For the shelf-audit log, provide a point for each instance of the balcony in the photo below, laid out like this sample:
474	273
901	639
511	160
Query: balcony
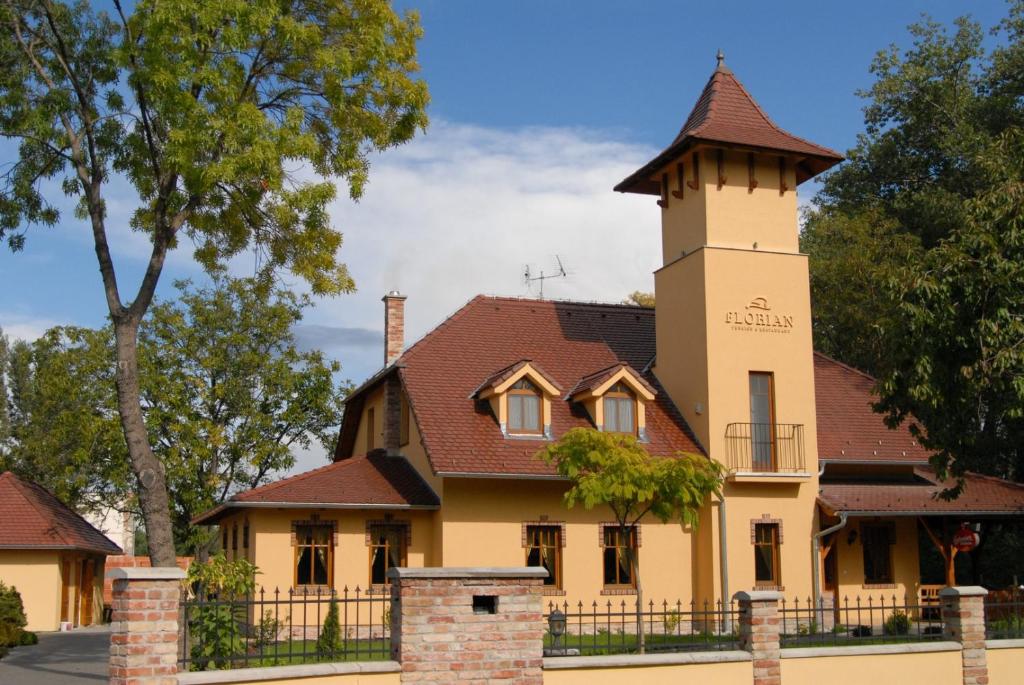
765	452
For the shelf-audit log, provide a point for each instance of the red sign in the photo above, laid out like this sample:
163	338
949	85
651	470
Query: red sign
965	539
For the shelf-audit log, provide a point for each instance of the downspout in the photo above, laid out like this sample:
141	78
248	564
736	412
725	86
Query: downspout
816	559
723	562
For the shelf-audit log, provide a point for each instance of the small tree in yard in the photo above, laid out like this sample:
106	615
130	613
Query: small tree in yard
615	470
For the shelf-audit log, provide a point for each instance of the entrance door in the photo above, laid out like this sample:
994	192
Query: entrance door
87	592
65	590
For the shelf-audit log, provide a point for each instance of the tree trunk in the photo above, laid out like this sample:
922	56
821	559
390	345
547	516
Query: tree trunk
149	473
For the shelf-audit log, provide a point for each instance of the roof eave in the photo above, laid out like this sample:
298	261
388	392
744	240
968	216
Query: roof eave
221	510
110	551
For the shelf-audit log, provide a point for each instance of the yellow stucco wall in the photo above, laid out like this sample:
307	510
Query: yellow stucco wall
934	668
1005	666
738	672
374	400
36	574
905	562
482	523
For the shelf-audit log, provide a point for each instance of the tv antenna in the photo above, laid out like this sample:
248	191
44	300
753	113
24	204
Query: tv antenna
529	278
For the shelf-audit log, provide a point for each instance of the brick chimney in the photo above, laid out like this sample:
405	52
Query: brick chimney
394	326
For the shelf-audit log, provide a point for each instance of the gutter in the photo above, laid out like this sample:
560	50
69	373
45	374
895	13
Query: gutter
505	476
816	559
723	552
213	513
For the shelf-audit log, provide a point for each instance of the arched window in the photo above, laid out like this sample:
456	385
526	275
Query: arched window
619	409
524	408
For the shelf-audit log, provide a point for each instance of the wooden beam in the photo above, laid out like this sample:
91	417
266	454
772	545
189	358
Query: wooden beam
680	181
721	168
751	173
663	202
695	182
782	176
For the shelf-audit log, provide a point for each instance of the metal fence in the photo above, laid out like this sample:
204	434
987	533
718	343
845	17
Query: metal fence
1004	615
871	621
765	447
282	628
615	627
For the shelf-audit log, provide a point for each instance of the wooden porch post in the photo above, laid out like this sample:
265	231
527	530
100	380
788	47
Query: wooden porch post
946	549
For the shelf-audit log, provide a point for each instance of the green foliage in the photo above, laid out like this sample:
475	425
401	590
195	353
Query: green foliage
640	298
670	622
12	617
614	469
267	629
328	643
898	623
958	375
28	638
215	616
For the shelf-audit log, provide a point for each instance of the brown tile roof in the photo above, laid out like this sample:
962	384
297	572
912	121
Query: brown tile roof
982	495
34	519
567	339
848	429
726	113
367	481
598	378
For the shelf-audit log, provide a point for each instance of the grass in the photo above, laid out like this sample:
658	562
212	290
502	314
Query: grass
603	642
296	652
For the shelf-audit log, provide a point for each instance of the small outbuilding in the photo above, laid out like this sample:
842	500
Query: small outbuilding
53	556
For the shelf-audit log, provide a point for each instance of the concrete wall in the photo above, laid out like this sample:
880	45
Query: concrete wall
650	670
1005	664
933	668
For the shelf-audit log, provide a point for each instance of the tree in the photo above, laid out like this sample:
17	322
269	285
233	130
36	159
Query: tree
640	298
958	372
64	431
227	395
614	470
934	111
227	118
227	398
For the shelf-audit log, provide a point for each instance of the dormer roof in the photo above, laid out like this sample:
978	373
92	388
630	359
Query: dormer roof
501	379
727	115
596	383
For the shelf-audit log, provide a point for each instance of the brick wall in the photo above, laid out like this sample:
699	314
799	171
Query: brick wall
468	625
144	631
129	561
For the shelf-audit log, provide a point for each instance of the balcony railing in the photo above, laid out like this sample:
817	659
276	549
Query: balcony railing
765	448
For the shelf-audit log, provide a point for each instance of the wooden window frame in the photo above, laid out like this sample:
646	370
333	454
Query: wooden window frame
559	531
525	392
297	547
405	529
634	533
776	554
889	529
772	437
618	395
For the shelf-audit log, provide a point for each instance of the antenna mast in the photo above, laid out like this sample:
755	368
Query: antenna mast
529	278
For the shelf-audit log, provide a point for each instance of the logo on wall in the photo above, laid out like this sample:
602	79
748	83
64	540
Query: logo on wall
758	317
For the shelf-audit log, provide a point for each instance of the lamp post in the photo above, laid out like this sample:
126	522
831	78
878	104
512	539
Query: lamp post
556	626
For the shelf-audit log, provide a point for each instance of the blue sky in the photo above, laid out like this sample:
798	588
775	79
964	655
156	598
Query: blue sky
538	109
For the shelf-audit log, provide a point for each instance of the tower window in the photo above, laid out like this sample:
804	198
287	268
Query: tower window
762	420
766	554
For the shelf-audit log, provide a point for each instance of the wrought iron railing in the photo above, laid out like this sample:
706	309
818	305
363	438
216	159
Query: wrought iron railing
283	628
765	447
871	621
1004	614
614	627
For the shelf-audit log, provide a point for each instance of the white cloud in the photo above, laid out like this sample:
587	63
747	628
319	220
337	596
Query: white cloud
22	327
463	209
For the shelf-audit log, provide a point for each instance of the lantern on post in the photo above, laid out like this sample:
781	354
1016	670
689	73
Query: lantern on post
556	626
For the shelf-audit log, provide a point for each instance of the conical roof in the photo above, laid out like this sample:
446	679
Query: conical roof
726	114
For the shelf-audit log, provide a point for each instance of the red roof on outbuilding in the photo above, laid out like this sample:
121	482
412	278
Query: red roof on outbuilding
34	519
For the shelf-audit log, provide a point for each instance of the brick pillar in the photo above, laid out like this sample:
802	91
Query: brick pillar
451	625
394	326
759	633
393	415
963	621
144	630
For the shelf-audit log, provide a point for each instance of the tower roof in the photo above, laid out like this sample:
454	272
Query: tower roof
726	114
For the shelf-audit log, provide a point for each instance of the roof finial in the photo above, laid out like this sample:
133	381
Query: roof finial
720	57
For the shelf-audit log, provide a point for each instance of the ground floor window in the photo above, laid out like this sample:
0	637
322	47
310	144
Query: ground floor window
766	554
877	540
387	549
618	571
314	555
544	548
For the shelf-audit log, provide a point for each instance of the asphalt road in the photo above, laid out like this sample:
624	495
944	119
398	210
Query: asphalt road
78	657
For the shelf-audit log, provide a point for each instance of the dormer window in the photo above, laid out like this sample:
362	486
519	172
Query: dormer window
619	409
524	408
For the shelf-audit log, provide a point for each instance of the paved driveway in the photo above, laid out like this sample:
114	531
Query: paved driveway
74	658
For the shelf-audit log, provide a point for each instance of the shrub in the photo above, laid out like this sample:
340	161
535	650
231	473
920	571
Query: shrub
12	616
214	614
329	642
267	630
28	638
671	622
897	624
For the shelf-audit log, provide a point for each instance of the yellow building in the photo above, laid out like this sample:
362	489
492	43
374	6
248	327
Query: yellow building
435	464
51	555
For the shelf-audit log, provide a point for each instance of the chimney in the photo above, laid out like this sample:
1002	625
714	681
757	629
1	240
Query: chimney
394	326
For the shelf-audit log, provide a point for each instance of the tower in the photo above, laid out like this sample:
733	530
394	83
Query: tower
733	327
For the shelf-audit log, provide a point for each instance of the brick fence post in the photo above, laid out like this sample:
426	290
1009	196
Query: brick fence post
759	633
452	625
963	621
144	629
